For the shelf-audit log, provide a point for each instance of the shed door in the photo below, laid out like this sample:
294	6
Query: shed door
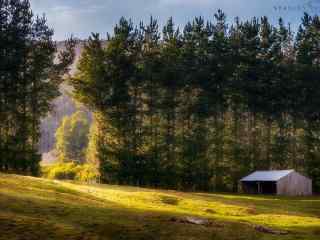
268	187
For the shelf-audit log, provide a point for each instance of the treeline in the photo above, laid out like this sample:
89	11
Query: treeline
200	108
30	75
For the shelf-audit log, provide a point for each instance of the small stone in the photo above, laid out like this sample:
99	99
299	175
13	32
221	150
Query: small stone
197	221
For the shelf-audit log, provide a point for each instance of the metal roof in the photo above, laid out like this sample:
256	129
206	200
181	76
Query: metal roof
267	176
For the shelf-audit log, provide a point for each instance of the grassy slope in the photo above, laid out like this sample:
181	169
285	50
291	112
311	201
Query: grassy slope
41	209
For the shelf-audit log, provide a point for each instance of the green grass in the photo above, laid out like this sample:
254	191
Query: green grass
36	209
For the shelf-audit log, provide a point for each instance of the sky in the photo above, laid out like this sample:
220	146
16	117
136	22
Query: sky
82	17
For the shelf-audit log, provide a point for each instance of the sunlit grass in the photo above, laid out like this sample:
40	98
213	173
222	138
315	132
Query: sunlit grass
65	210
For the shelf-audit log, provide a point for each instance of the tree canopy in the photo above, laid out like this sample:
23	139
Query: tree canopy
30	75
200	107
72	138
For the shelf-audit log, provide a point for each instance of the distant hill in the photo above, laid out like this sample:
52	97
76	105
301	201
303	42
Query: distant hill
63	106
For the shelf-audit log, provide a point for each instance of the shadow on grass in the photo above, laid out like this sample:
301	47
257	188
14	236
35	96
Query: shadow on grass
303	232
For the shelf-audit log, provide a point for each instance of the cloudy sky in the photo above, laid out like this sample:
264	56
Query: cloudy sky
81	17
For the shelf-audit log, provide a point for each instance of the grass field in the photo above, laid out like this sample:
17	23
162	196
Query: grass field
38	209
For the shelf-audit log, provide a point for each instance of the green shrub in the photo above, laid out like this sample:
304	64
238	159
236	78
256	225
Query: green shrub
88	173
71	171
65	171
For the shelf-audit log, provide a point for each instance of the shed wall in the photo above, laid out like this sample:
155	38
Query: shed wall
294	184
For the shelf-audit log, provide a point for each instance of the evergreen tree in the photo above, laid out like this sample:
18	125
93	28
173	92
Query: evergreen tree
170	82
30	79
201	108
307	75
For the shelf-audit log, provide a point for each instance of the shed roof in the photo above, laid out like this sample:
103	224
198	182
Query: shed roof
268	176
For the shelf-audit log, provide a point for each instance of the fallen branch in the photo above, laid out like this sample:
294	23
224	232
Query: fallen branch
264	229
195	221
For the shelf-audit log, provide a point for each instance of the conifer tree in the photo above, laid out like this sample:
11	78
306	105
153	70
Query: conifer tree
201	108
30	79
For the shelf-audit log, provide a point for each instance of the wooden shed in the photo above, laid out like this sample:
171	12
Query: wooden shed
284	182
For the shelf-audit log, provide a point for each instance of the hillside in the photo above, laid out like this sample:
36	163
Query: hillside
62	106
41	209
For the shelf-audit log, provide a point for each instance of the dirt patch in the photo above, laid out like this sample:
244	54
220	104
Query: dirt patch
251	211
210	211
170	200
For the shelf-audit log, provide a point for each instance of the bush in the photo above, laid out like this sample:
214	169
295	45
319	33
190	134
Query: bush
72	171
88	173
65	171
